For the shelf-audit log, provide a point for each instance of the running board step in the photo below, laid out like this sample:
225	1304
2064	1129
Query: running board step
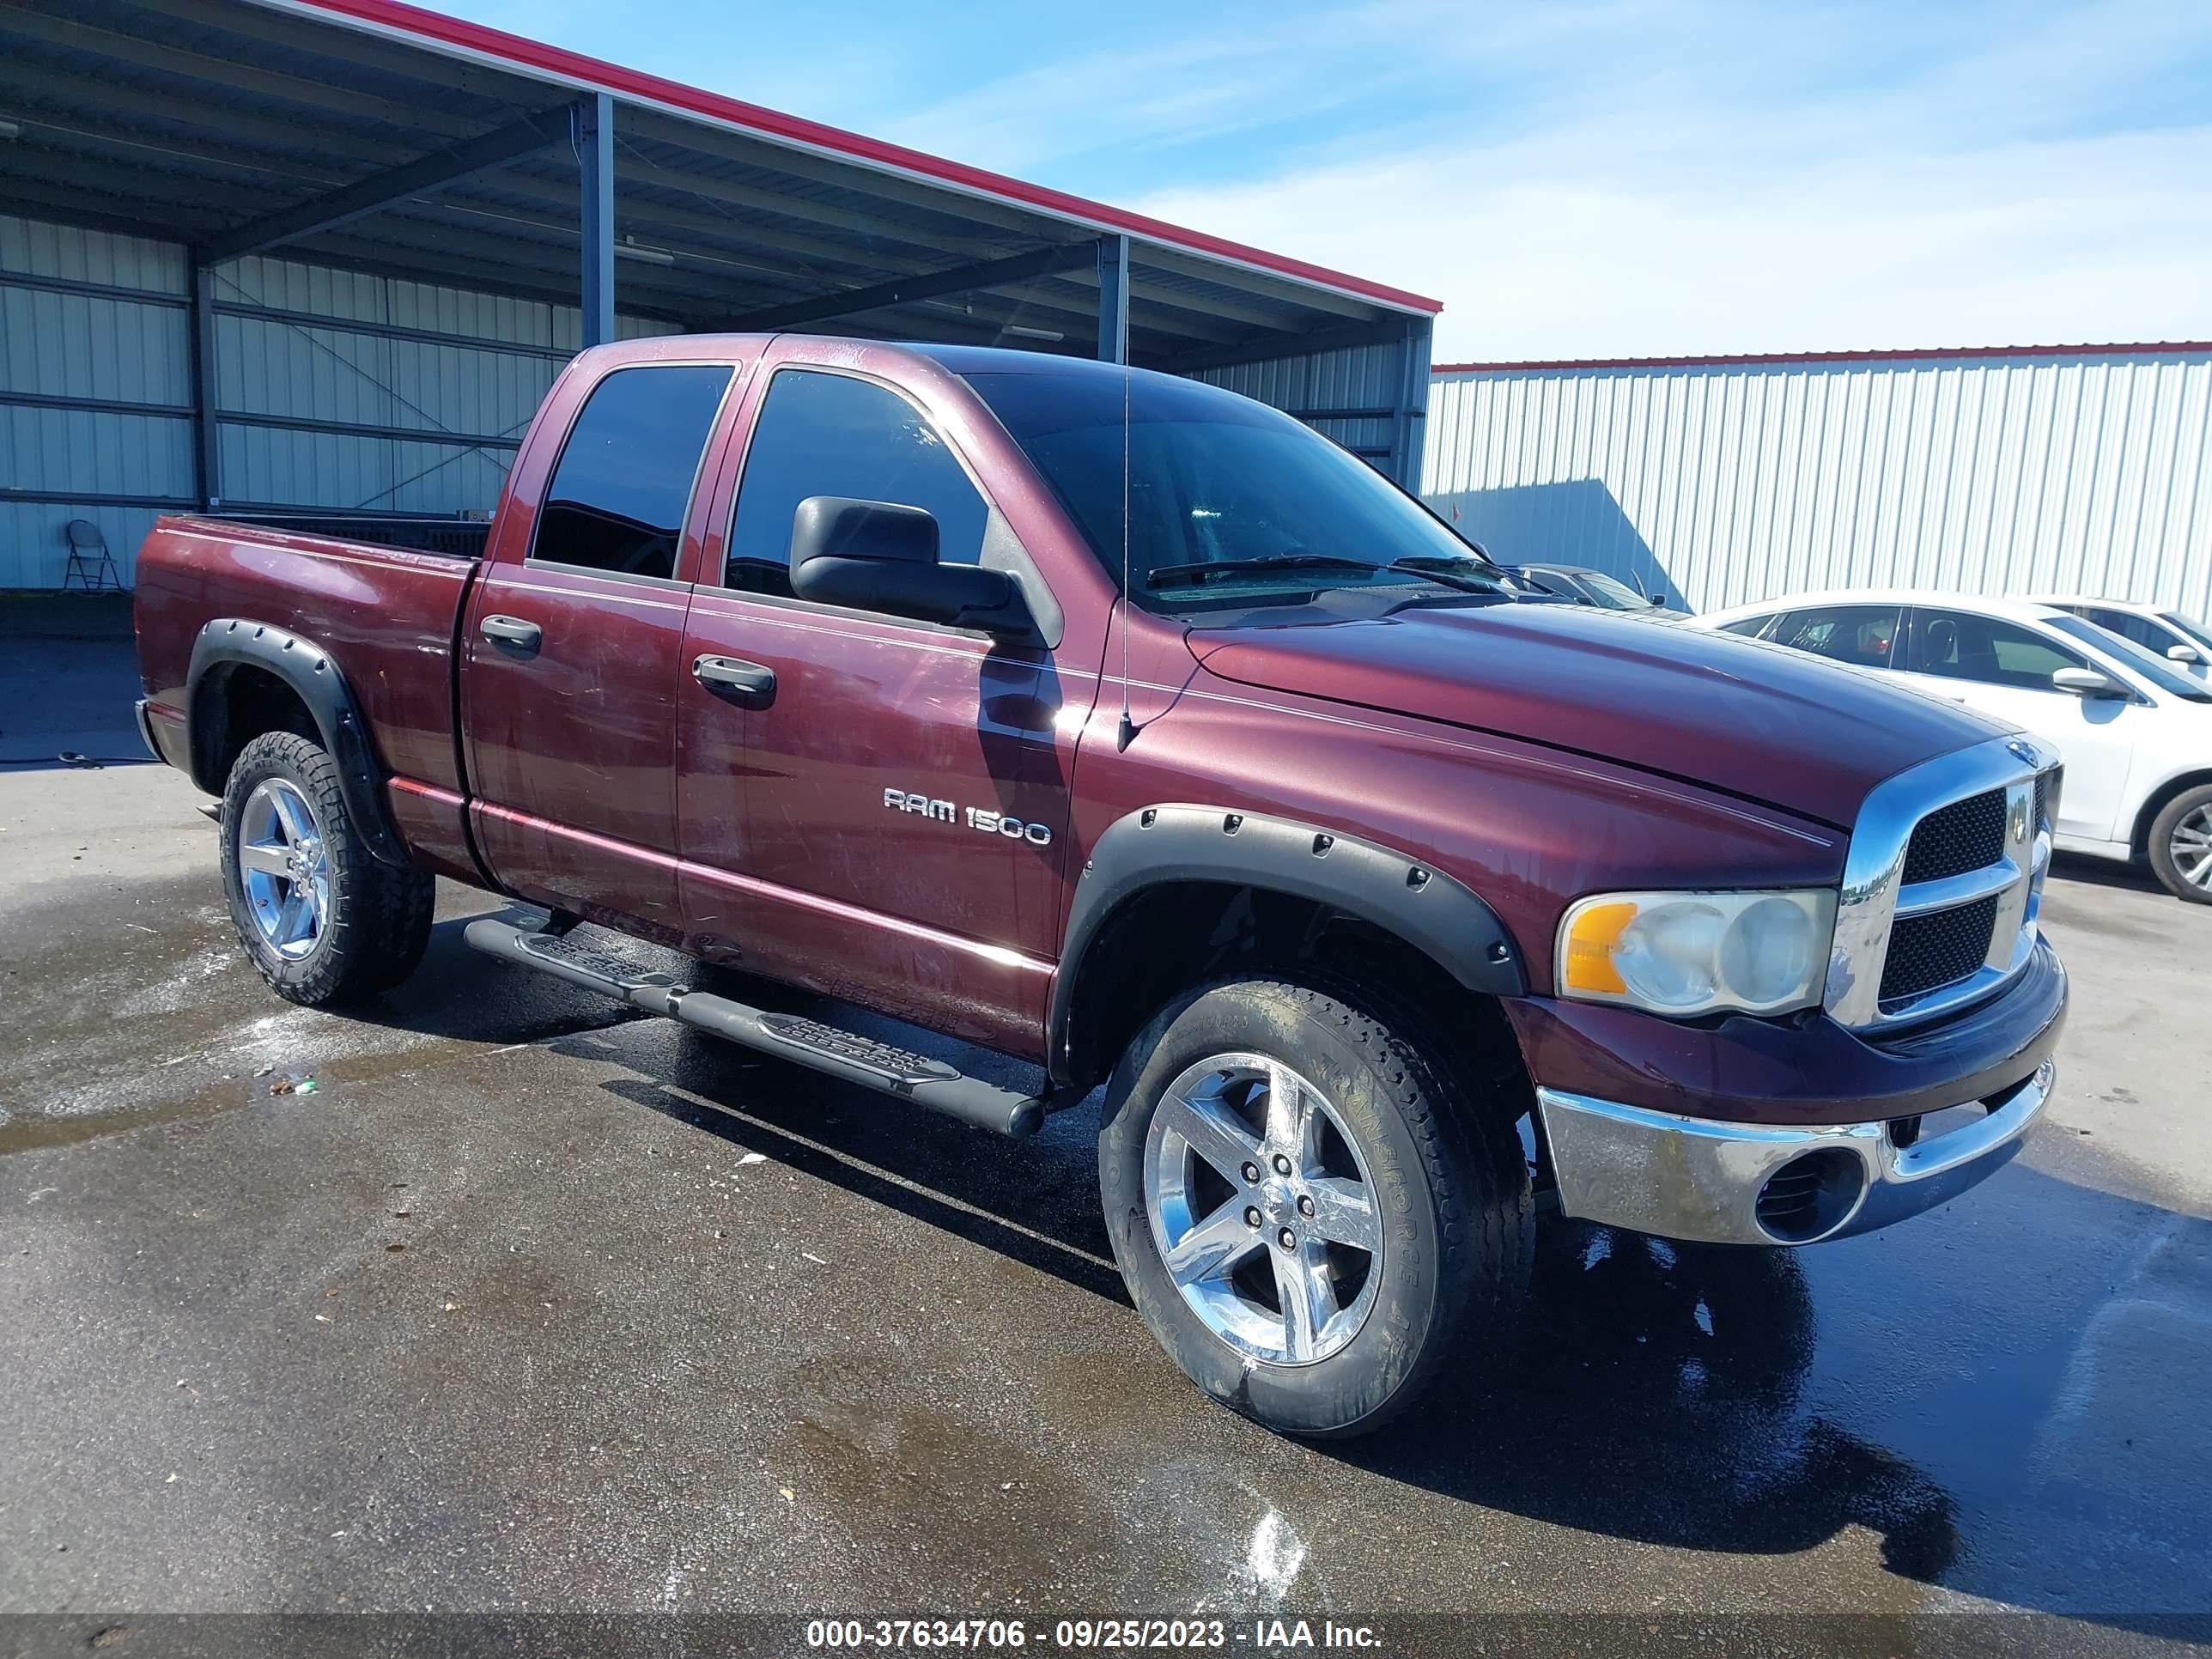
825	1049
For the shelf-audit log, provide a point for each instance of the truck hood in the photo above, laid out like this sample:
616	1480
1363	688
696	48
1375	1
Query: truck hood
1757	721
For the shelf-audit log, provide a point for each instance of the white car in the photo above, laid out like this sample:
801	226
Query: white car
2182	641
2134	730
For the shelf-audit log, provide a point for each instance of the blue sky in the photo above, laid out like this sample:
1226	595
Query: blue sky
1618	177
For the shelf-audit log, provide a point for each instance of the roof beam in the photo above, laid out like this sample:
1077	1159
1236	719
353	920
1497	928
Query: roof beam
365	196
72	101
321	98
1390	331
905	290
325	38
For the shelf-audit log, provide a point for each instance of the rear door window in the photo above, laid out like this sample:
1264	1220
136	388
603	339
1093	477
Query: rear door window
1863	636
1749	627
831	435
1959	645
620	493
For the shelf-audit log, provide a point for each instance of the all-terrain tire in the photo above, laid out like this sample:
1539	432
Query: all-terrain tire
2191	807
1445	1164
377	921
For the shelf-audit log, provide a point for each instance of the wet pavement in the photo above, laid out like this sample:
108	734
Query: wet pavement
531	1305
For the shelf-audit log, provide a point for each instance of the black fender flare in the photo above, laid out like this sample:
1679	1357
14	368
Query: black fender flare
1433	912
228	643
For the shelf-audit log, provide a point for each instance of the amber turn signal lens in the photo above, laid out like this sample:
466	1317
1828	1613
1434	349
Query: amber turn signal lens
1591	936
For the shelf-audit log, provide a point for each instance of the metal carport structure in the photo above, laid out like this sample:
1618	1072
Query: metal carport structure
373	138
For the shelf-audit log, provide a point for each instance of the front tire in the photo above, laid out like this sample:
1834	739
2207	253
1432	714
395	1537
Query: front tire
322	917
2181	845
1395	1222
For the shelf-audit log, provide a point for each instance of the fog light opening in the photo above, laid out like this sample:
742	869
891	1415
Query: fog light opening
1810	1196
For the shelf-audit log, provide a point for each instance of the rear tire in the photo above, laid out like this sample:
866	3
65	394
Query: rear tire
322	919
2181	845
1417	1248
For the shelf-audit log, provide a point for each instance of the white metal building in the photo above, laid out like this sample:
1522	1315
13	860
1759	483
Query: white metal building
319	258
1727	479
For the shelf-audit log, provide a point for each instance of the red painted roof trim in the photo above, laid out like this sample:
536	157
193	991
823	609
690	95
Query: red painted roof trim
436	28
2164	347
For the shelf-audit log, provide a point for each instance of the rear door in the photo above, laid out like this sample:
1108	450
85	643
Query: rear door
2004	669
1857	636
574	648
879	810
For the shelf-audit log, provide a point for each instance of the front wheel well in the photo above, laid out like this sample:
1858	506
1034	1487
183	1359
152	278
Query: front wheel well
2158	801
1177	934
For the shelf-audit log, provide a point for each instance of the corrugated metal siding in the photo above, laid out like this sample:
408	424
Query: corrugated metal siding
1734	483
484	382
112	348
1370	379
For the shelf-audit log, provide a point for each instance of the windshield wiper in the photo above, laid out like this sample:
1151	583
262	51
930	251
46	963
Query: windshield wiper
1472	575
1185	575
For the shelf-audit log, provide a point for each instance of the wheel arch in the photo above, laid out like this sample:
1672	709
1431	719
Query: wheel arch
1207	879
249	678
2158	800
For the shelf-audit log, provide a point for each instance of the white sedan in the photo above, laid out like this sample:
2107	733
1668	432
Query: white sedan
2181	639
2135	729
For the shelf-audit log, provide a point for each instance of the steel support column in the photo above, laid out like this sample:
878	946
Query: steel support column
595	153
1413	415
206	446
1114	299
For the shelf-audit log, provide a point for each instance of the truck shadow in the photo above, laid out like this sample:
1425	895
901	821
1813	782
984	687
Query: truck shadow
1658	1397
2006	1396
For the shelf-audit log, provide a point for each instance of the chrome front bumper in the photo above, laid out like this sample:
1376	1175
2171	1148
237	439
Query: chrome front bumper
1700	1179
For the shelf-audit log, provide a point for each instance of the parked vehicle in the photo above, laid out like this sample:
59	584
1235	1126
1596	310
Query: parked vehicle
1580	585
1343	872
2133	730
2182	641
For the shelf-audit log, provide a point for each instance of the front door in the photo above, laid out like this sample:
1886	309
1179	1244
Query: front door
874	807
2003	670
572	656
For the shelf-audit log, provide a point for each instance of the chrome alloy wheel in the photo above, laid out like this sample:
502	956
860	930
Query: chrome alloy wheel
284	869
1262	1209
2190	846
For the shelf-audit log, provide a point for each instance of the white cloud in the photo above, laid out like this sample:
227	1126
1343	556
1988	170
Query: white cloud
1965	204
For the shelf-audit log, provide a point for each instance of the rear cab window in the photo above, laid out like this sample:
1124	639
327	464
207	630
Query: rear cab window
619	495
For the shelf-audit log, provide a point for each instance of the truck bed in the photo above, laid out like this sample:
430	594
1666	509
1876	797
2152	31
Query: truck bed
387	617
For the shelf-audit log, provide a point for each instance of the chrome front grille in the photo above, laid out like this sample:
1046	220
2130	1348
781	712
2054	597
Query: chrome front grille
1942	884
1934	949
1967	835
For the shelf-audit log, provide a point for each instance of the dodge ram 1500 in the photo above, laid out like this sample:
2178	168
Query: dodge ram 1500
1120	724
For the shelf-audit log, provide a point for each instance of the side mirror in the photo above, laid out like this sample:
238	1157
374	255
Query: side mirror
2086	682
2184	654
877	556
1660	598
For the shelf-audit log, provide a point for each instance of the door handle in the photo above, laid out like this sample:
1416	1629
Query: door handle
523	637
746	683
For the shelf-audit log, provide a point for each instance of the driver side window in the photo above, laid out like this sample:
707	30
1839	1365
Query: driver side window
1959	645
820	434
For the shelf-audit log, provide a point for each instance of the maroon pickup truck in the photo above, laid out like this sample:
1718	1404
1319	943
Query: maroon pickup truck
1122	725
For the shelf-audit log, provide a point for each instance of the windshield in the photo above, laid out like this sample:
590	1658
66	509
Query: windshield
2158	672
1227	498
1614	595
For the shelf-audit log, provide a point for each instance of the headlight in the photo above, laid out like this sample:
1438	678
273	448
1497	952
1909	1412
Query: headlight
1693	953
